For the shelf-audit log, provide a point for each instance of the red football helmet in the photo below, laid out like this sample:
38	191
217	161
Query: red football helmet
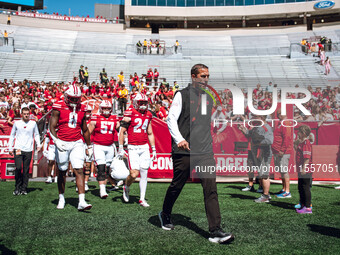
72	96
140	102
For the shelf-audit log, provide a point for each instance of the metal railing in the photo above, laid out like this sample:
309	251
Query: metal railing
43	125
163	50
7	41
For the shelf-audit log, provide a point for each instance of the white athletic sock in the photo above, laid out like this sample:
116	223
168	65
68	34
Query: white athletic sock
143	183
85	182
82	198
102	187
61	197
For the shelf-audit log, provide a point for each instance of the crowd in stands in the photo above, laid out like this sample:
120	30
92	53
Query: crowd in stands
39	96
316	44
146	47
324	104
321	45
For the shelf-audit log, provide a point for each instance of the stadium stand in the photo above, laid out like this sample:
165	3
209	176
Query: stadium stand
55	55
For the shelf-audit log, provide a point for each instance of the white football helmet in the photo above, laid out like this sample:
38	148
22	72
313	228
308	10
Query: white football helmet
105	107
88	111
72	96
119	170
140	102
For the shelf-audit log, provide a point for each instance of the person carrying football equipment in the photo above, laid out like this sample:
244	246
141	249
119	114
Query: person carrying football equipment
102	128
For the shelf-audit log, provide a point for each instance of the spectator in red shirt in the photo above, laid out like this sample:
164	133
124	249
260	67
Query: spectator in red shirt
282	147
160	111
149	77
155	77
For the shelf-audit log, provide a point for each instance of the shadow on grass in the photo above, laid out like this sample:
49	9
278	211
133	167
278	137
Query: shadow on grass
5	250
323	230
33	189
324	186
240	196
95	192
181	220
132	199
283	205
233	187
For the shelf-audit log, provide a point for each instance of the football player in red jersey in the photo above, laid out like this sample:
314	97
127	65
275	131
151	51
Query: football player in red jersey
137	123
102	128
68	117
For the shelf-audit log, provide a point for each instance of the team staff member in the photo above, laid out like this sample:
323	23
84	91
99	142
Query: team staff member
86	76
123	94
23	131
192	146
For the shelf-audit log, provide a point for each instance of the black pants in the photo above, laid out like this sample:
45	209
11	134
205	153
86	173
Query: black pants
183	165
122	104
304	185
22	167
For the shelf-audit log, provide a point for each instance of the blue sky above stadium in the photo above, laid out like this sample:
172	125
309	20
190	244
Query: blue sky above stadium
78	7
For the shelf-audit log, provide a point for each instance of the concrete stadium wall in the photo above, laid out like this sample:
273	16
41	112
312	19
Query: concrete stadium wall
64	25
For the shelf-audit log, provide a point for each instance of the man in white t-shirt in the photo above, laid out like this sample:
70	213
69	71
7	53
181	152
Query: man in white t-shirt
23	132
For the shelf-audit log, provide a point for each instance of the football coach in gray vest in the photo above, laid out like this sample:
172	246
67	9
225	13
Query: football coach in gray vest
189	123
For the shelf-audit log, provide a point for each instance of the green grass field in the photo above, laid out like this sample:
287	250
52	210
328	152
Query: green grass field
32	225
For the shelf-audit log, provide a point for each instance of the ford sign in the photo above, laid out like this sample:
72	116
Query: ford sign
324	5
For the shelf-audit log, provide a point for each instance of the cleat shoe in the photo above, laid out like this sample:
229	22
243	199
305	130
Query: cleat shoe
23	192
48	180
259	190
249	188
103	194
219	236
86	187
337	187
61	204
143	203
284	195
263	199
113	188
16	193
126	191
120	183
304	210
84	206
166	222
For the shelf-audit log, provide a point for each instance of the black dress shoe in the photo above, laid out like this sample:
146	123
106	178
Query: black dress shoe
166	222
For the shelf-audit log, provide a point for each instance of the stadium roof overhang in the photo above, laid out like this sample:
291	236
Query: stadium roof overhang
226	13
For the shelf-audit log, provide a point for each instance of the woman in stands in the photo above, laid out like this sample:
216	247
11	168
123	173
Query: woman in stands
322	57
327	66
14	113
